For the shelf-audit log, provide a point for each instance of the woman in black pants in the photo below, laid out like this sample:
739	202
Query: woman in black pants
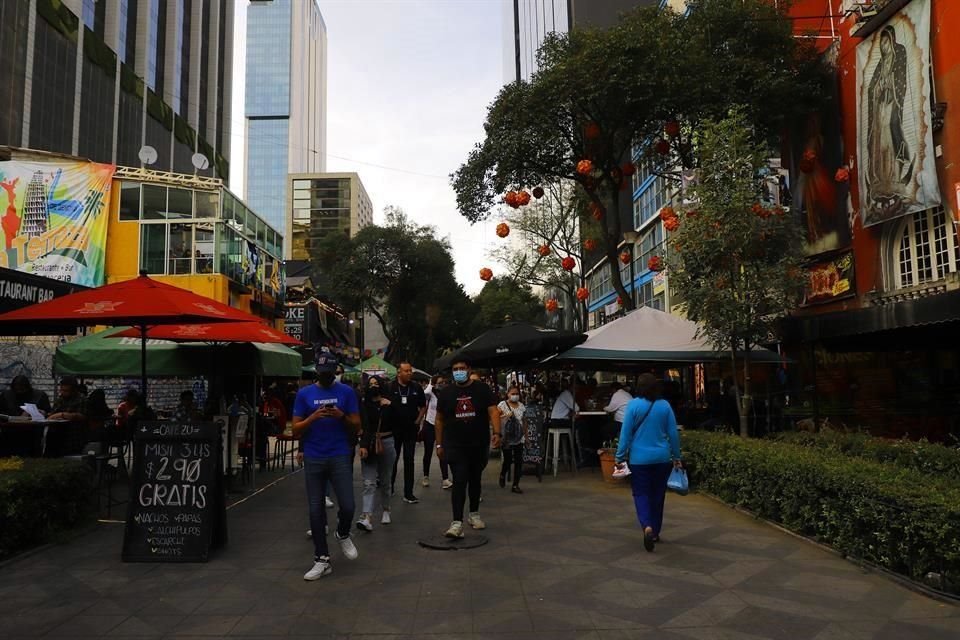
513	428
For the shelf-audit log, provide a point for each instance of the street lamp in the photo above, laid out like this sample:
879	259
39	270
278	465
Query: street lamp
631	238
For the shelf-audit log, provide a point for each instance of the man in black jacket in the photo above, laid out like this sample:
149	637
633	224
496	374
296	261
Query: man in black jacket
408	405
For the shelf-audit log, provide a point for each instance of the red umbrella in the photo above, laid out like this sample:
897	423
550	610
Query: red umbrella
142	302
220	332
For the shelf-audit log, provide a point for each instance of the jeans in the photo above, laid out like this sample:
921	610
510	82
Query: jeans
467	465
512	456
405	445
649	483
429	440
338	471
375	471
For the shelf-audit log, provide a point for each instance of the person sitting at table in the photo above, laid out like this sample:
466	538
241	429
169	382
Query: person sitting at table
131	412
586	393
100	417
616	407
21	392
70	406
186	410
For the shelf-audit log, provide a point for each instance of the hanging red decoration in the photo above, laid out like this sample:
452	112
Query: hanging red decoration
486	274
591	131
596	211
655	263
662	147
552	305
589	244
628	168
842	175
568	263
511	199
672	128
583	293
584	167
671	224
503	229
523	198
666	213
625	257
367	353
543	250
538	192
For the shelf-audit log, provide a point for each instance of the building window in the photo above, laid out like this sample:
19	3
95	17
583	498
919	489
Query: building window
207	203
180	203
203	251
181	249
926	248
154	202
129	201
153	247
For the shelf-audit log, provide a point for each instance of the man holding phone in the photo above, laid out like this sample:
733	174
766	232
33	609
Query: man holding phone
326	416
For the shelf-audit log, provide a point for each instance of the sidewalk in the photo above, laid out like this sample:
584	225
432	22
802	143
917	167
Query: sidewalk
564	562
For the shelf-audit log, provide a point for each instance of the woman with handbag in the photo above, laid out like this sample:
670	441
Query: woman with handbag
377	454
649	440
512	419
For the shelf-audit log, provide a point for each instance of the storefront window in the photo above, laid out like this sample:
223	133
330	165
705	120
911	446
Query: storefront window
153	247
206	204
181	249
130	201
203	248
154	202
180	204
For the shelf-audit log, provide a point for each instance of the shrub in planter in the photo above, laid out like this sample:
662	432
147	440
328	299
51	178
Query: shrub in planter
39	498
900	519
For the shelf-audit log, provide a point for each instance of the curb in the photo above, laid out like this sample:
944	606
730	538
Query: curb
903	581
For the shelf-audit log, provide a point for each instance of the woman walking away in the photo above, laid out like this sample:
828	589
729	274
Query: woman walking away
514	426
649	440
377	455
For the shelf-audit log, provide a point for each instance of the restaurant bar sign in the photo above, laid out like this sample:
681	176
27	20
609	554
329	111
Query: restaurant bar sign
829	280
18	289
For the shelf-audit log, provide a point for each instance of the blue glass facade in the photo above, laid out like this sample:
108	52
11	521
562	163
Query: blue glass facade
267	169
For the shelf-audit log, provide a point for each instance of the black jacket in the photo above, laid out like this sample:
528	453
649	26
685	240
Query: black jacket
373	414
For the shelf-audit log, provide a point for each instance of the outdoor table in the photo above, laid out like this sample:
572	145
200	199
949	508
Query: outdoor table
38	430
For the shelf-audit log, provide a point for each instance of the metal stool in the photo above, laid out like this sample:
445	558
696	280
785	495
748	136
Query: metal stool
556	435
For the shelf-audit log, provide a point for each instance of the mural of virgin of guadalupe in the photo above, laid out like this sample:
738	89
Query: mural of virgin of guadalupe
890	165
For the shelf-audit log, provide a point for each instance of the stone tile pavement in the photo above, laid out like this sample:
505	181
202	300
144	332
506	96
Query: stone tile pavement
564	562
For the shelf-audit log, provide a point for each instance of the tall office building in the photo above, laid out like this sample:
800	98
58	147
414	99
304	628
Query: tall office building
321	204
104	78
286	101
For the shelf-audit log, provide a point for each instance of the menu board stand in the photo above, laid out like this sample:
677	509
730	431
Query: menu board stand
177	508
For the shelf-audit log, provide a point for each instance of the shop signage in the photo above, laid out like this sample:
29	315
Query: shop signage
177	507
18	289
829	280
294	322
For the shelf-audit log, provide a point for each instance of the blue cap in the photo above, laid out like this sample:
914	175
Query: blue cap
325	362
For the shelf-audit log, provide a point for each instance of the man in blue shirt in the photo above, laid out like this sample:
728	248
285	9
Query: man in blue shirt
326	417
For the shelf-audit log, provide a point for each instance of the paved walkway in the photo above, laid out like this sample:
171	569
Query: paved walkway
564	562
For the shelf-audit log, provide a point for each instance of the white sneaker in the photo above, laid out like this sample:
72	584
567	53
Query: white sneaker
349	549
446	484
309	533
364	523
425	482
455	530
320	568
329	502
385	518
474	521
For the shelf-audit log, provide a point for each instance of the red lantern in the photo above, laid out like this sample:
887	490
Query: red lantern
543	250
655	263
552	305
662	147
591	131
486	274
625	257
671	224
584	167
666	213
583	293
538	192
628	168
672	128
523	198
589	244
842	175
503	229
511	199
596	211
568	263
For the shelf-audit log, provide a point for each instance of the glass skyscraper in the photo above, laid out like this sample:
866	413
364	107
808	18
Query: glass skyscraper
286	100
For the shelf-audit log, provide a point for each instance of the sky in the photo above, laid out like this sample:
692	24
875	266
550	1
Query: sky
408	86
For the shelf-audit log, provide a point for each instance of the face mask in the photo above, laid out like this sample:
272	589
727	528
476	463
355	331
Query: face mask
514	397
460	376
337	377
325	379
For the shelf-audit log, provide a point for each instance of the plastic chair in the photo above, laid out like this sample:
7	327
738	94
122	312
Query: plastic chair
280	450
555	436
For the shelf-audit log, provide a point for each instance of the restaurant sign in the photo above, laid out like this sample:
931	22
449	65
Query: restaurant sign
19	289
829	280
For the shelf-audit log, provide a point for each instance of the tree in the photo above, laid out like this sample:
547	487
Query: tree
402	274
549	231
648	81
735	259
503	298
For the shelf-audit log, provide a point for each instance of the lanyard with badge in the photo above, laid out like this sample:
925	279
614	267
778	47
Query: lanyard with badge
403	398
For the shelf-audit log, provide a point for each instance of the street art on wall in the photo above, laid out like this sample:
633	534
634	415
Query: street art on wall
54	218
897	172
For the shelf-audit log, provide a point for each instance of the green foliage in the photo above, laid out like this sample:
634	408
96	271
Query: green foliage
40	498
935	459
402	273
501	298
900	519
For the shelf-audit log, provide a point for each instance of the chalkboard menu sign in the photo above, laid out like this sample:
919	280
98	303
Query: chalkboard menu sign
177	507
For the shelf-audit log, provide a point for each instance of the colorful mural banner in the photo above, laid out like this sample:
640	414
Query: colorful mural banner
897	170
55	218
829	280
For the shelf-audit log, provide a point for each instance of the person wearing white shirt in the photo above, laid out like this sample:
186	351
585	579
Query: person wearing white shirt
564	407
429	436
618	404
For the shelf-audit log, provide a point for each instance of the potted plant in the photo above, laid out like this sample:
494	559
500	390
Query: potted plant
608	460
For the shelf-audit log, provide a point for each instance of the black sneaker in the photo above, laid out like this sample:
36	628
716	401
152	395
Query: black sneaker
648	542
411	499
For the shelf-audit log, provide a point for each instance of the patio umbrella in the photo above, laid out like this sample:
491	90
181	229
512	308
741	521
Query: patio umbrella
512	344
142	302
220	332
375	365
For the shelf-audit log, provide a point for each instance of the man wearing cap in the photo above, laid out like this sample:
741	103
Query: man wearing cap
326	416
